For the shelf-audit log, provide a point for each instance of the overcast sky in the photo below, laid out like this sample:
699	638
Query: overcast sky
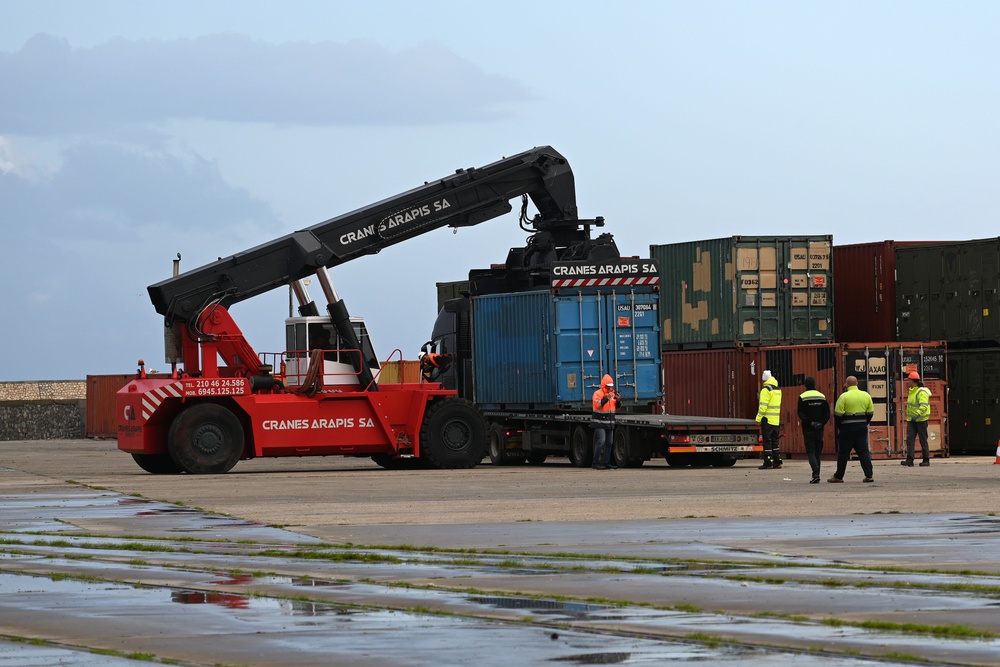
131	131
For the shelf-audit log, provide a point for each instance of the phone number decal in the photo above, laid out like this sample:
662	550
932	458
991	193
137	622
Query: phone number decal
215	387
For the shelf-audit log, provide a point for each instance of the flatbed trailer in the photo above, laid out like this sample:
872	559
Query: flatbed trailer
517	436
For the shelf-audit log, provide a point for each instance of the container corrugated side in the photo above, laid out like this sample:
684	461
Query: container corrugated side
974	400
881	369
746	290
541	350
612	331
102	406
511	344
865	290
726	383
949	291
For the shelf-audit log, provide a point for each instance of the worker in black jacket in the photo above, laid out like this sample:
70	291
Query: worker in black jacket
814	413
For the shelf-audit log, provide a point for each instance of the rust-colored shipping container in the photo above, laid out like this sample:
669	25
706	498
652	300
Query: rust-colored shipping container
101	421
726	383
881	369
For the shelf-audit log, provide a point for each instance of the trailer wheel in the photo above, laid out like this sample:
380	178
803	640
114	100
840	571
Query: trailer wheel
677	460
453	434
620	451
536	458
498	448
724	461
205	438
157	464
581	447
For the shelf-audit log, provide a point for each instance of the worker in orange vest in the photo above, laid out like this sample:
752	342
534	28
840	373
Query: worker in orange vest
605	402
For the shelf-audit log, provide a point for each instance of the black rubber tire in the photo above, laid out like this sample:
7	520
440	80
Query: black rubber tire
157	464
677	460
724	461
619	451
390	462
581	446
205	438
536	458
498	452
453	434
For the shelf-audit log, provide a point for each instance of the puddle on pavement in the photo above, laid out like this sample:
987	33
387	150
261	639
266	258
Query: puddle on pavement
347	619
30	655
296	632
58	513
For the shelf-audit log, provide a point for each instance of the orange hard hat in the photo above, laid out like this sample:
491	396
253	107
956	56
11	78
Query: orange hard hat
914	375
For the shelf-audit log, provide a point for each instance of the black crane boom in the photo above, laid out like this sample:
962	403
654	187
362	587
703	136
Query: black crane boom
465	198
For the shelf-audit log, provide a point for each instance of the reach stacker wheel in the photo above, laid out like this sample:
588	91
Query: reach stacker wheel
453	434
205	438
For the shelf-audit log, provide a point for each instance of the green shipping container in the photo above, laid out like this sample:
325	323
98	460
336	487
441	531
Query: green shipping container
746	290
451	290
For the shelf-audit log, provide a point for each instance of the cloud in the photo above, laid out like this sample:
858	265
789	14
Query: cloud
51	88
82	245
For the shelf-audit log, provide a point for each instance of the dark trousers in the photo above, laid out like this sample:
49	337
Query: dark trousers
914	429
853	440
770	434
814	449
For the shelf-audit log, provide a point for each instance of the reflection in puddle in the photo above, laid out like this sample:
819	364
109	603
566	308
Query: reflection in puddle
540	605
260	604
227	600
595	658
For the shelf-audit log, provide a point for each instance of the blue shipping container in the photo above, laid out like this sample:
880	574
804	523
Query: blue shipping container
543	350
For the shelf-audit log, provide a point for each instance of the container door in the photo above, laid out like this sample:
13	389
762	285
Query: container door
632	326
760	303
874	367
510	343
804	289
989	297
580	358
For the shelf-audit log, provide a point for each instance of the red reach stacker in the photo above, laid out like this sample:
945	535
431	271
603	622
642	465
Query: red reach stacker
224	401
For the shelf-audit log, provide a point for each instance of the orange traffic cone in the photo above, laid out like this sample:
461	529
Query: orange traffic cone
998	453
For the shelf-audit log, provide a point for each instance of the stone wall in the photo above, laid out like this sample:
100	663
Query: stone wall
43	410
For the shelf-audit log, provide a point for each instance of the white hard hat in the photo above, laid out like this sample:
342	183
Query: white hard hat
765	376
610	384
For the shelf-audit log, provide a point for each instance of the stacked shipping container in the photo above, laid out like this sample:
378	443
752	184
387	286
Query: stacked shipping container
881	368
865	289
745	290
736	306
951	291
974	400
726	383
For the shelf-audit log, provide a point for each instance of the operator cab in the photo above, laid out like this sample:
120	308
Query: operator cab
304	334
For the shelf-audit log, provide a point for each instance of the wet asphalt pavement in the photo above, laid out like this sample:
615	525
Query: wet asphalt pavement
91	576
